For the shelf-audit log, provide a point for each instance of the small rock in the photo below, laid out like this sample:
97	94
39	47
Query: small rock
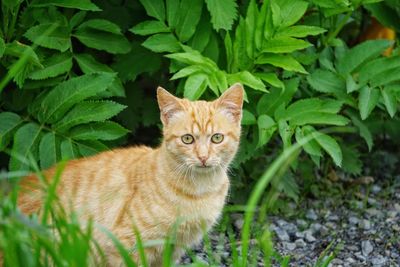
378	260
309	237
311	215
333	218
281	234
299	234
238	223
352	248
365	224
372	201
374	212
397	207
331	225
315	227
359	256
353	220
300	243
301	223
290	246
376	189
350	260
366	247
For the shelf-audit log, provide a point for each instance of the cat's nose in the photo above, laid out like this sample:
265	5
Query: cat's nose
203	160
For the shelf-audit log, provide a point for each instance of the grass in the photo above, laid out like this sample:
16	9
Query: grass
57	239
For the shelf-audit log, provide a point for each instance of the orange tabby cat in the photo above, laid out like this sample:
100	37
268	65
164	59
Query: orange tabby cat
184	180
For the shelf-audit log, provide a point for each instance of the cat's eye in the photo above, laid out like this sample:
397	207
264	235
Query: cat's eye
187	139
217	138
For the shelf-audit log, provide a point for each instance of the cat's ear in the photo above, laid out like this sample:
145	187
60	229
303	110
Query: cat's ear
231	101
169	105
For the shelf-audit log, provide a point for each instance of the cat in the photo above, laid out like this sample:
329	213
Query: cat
181	183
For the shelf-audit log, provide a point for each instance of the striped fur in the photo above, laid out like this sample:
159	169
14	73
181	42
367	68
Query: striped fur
153	189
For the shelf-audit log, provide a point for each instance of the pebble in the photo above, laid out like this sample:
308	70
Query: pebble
353	220
378	260
309	237
290	246
366	247
238	223
282	234
311	215
365	224
300	243
376	189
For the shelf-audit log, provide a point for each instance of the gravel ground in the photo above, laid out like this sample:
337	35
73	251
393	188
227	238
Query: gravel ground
362	222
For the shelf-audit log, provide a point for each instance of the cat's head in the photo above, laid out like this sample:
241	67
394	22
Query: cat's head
202	135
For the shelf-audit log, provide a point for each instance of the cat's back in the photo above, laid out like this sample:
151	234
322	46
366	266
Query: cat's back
86	183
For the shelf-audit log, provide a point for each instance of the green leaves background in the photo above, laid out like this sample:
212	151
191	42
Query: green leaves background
81	76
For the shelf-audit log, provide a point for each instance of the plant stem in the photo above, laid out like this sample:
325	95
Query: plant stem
339	28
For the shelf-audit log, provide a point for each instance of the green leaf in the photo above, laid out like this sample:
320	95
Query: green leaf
291	11
326	81
386	77
91	147
26	141
266	128
223	13
106	130
101	25
193	58
248	79
53	66
286	133
248	118
50	36
367	100
390	101
149	27
284	45
351	160
2	47
202	35
195	86
300	31
154	8
314	111
88	65
360	54
331	146
48	151
77	4
9	123
365	133
103	40
351	85
189	16
311	147
172	12
271	78
18	50
89	111
286	62
66	94
162	42
68	150
376	67
187	71
268	103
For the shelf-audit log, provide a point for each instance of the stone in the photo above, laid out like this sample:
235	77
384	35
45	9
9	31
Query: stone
396	207
333	218
315	227
353	220
376	189
378	260
311	215
366	247
301	223
290	246
300	243
299	234
309	237
238	223
281	234
365	224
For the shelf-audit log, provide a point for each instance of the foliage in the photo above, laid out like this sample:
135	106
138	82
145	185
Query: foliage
73	68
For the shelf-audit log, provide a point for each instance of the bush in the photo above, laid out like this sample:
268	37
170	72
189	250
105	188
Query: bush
78	76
